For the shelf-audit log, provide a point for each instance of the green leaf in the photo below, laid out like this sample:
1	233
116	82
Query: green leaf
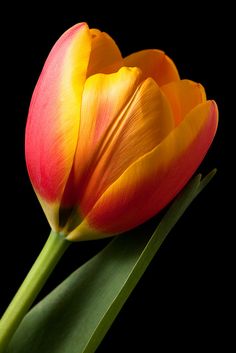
75	316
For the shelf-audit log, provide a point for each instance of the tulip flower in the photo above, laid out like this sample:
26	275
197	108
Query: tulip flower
110	141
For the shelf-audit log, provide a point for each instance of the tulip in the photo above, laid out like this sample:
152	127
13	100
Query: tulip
110	141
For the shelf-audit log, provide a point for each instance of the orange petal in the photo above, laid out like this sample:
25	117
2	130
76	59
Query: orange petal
183	96
105	54
155	64
125	121
104	98
54	115
152	182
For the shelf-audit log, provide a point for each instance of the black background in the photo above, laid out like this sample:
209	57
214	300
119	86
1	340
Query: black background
182	301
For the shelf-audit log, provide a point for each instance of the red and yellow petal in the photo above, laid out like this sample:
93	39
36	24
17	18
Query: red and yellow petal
105	55
151	182
54	114
154	63
183	96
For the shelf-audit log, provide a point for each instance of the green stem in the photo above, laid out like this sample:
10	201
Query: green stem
33	283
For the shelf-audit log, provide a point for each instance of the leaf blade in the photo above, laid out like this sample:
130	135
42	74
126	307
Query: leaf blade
79	312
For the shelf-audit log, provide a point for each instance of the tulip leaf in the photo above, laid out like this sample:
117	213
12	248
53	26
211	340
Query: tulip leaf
76	315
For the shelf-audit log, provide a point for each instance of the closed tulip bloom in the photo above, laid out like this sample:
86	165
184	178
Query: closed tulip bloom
110	141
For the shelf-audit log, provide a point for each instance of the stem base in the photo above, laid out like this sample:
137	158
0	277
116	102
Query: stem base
51	253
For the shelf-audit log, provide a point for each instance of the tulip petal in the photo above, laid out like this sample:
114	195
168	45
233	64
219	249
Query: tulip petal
151	182
125	120
104	98
105	55
54	114
154	63
183	96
